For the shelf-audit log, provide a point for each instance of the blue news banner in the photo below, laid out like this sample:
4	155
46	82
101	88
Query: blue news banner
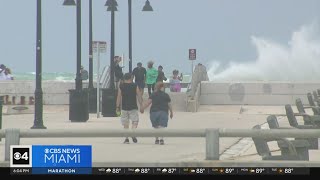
53	159
77	159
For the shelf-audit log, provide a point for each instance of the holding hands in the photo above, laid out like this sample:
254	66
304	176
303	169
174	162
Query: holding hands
141	108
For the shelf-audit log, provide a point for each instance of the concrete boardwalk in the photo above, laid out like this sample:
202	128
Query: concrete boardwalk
174	150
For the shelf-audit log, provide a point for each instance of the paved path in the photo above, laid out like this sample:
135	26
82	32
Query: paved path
175	149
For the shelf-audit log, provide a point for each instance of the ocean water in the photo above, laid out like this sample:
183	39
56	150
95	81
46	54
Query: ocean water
66	77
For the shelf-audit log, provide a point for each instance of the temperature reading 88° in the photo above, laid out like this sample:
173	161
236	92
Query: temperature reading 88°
200	170
288	170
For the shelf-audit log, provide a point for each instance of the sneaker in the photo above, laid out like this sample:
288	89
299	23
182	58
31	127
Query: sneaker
134	139
157	141
126	141
161	142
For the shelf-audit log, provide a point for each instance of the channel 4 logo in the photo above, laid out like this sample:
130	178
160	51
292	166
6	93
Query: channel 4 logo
21	156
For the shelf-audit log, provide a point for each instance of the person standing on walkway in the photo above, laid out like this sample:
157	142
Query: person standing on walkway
2	72
161	77
151	77
159	109
118	71
8	74
128	94
84	74
139	74
175	85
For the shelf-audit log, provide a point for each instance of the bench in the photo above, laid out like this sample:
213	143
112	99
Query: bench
316	97
273	124
301	108
311	122
310	100
290	150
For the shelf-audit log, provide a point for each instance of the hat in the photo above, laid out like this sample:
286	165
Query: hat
160	67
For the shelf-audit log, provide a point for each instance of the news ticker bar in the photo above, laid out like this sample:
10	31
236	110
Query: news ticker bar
161	171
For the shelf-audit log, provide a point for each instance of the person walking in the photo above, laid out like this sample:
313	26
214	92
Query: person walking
128	93
139	74
151	77
159	109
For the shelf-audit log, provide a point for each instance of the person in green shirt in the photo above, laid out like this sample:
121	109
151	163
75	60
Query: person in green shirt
151	77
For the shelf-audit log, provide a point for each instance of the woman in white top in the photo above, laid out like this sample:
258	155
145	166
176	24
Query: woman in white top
8	75
2	72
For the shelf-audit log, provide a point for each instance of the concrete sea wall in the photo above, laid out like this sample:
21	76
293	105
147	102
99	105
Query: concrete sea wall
57	93
255	93
211	93
54	92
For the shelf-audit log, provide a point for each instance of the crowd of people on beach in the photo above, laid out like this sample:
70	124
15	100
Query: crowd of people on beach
130	91
5	73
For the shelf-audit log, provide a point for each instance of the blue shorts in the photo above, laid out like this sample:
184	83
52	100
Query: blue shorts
159	118
140	84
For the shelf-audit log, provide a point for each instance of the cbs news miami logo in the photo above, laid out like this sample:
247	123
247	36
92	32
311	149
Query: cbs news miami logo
51	156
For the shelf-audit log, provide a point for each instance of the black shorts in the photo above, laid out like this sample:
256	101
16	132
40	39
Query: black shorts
140	84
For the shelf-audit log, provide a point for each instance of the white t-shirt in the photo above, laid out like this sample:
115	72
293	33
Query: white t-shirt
2	75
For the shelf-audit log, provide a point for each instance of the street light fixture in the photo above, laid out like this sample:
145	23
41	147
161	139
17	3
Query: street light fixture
78	110
69	3
147	7
38	114
111	3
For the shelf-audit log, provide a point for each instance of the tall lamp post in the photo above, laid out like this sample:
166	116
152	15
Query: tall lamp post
112	6
92	91
38	115
147	7
78	110
109	94
90	47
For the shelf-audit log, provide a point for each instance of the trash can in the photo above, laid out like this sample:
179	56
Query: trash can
92	100
78	105
109	99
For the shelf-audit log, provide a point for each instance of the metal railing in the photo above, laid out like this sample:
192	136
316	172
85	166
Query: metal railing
212	136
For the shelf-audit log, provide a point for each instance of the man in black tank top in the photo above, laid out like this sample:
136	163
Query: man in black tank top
127	97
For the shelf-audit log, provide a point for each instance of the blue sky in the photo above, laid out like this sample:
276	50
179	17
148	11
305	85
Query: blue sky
219	30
